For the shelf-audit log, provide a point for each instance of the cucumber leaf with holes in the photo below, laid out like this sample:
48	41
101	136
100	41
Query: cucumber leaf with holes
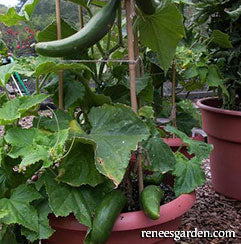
34	145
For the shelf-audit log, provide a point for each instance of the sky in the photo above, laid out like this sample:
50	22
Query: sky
9	2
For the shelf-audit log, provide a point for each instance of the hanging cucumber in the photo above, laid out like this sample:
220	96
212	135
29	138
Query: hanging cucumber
151	198
148	6
105	217
94	31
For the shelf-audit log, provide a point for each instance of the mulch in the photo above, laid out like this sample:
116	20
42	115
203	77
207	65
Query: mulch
212	212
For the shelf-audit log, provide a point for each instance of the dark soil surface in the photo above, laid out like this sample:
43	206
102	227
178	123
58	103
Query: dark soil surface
212	212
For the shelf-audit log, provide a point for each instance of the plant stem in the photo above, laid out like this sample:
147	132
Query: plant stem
43	81
6	91
126	187
37	85
140	170
97	44
108	41
108	53
119	25
89	12
100	49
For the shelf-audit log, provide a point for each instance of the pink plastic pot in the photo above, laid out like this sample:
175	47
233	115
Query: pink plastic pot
175	143
128	226
224	132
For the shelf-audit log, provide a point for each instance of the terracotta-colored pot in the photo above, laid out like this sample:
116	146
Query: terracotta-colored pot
224	132
128	226
175	143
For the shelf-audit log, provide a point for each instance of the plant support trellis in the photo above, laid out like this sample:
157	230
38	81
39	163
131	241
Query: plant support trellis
133	61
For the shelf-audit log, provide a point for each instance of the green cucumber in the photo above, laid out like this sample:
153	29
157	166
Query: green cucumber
105	217
151	198
94	31
154	179
148	6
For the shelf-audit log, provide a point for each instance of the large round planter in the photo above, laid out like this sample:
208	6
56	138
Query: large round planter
224	132
128	226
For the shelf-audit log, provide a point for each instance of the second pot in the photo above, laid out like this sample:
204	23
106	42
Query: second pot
224	132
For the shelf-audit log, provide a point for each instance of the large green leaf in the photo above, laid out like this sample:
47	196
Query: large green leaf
3	213
7	235
50	32
28	8
92	99
189	175
116	130
17	107
186	122
74	91
44	230
190	72
162	31
234	14
42	66
29	102
214	79
160	155
147	112
5	73
80	2
147	94
120	93
79	168
222	39
33	145
64	200
141	83
200	149
2	151
19	209
50	67
9	179
60	118
9	112
11	17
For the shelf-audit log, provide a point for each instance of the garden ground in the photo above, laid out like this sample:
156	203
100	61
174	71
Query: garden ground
212	212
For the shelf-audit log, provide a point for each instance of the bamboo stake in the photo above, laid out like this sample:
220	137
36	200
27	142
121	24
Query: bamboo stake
134	72
136	48
131	54
81	17
174	112
138	65
59	35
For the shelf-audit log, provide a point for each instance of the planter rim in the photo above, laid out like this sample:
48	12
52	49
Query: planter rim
173	142
137	219
201	104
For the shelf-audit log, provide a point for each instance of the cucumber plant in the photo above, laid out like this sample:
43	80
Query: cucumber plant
78	161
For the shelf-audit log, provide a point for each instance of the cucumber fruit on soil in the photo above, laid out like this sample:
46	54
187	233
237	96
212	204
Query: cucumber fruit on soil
151	198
